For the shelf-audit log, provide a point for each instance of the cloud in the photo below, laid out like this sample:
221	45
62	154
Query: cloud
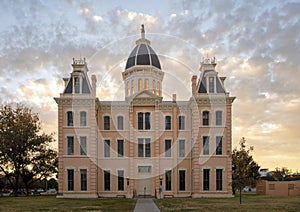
256	45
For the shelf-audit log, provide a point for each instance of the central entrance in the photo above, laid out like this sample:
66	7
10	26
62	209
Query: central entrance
144	180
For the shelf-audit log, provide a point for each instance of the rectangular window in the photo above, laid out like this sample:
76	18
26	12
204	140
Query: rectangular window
120	123
181	180
181	148
211	84
120	180
219	179
140	147
205	118
147	121
168	123
106	148
82	118
148	147
219	145
83	179
120	148
168	180
144	147
82	145
70	179
168	148
77	84
106	180
205	145
218	118
140	121
206	179
70	145
106	123
181	123
70	118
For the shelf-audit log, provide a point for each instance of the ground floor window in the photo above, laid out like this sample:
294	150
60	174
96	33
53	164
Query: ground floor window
206	179
219	179
168	179
83	179
106	180
182	180
70	179
120	180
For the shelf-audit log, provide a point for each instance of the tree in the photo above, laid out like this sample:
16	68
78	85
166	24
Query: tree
245	171
25	153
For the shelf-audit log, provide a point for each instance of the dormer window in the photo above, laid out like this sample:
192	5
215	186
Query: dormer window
211	84
76	85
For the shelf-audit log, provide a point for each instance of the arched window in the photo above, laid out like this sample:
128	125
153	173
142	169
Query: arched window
146	84
128	89
132	86
158	89
154	87
140	87
205	118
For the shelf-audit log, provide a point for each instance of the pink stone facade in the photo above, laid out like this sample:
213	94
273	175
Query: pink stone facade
145	145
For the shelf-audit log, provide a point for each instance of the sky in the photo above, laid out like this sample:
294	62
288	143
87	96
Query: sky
256	44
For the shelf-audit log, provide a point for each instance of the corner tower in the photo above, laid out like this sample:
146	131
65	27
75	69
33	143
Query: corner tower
143	69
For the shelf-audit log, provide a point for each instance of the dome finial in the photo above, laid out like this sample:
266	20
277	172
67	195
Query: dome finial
142	31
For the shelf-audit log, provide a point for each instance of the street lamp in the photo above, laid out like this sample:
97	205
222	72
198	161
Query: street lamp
160	180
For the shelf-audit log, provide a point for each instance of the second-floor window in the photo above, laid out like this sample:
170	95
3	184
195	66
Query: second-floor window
168	148
82	145
106	123
144	121
120	147
106	148
205	145
181	148
219	145
70	140
144	147
70	118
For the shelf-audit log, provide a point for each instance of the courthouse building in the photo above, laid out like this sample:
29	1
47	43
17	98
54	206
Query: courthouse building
144	145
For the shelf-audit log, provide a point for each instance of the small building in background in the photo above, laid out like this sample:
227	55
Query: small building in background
278	188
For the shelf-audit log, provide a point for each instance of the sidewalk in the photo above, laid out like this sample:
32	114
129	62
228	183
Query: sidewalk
145	205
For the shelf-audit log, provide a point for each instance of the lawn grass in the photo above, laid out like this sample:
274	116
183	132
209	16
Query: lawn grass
250	203
51	203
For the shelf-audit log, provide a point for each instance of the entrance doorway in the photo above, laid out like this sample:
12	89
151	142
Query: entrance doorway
144	180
